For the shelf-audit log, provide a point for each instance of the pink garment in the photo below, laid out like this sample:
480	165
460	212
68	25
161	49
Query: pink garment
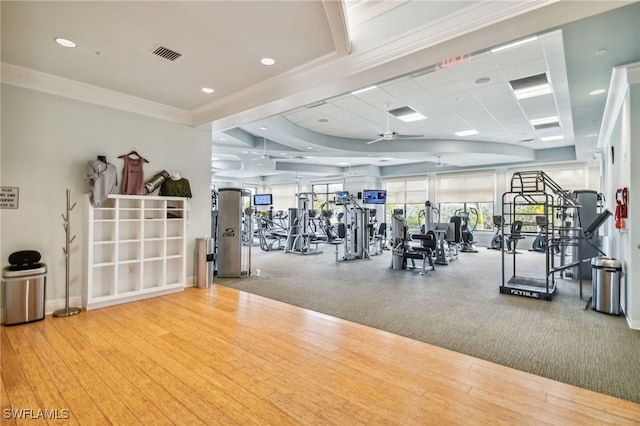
133	176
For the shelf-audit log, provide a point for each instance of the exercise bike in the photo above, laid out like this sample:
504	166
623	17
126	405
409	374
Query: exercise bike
540	242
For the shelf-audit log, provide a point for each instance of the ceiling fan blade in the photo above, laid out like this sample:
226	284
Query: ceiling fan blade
374	141
399	136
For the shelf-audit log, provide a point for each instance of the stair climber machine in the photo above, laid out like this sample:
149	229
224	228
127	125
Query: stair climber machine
402	249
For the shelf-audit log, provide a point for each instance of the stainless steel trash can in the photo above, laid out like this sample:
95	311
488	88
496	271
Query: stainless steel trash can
205	265
605	279
24	292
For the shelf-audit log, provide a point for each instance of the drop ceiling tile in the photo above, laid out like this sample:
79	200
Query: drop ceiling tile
435	78
401	87
524	69
447	89
518	55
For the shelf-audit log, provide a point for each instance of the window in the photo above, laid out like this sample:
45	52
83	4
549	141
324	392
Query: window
408	194
284	197
471	192
324	195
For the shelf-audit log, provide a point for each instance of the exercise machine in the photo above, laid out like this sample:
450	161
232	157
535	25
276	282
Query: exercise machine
354	230
466	232
402	250
497	242
300	236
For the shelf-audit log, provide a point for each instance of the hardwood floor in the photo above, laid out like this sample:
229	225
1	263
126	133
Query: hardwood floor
219	356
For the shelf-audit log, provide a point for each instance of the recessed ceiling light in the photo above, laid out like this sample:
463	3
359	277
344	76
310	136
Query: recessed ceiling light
207	90
65	43
267	61
263	128
466	133
597	92
342	164
514	44
592	135
551	138
364	89
309	147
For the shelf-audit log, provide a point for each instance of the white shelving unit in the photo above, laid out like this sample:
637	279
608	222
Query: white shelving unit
136	249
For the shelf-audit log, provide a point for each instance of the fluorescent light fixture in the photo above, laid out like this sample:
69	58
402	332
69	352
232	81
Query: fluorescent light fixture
551	138
466	133
514	44
364	89
207	90
343	164
65	43
267	61
597	92
406	114
530	92
412	117
545	123
545	120
533	85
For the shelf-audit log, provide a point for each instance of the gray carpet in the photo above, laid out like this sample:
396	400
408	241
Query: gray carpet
459	307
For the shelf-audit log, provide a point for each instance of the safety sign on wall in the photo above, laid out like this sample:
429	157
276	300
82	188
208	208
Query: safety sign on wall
8	197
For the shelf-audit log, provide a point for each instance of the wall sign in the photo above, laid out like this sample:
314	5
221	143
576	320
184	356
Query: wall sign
8	197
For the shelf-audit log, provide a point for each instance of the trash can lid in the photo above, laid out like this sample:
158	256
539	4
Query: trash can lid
21	271
24	257
605	262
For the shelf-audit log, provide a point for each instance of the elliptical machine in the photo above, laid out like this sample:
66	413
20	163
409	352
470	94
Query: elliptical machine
497	242
466	232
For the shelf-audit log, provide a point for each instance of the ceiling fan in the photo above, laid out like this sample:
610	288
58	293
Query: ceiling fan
388	135
264	154
439	163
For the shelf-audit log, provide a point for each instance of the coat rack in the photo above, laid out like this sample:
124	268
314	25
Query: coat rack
67	311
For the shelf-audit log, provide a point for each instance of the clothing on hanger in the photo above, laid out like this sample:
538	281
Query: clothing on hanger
103	178
133	174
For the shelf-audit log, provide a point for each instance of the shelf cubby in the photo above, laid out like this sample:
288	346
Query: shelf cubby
136	249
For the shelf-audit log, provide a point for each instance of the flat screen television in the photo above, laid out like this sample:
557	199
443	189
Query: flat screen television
341	197
374	196
262	200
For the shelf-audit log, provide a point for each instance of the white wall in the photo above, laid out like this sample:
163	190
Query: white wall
621	132
46	143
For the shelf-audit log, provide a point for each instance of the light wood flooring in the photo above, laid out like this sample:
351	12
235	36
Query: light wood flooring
220	356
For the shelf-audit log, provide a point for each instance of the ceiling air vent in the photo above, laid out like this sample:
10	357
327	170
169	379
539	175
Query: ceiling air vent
165	53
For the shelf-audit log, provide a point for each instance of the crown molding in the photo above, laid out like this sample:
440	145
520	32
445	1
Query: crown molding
48	83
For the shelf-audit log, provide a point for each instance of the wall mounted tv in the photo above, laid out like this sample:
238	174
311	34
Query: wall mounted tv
374	196
341	197
262	200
